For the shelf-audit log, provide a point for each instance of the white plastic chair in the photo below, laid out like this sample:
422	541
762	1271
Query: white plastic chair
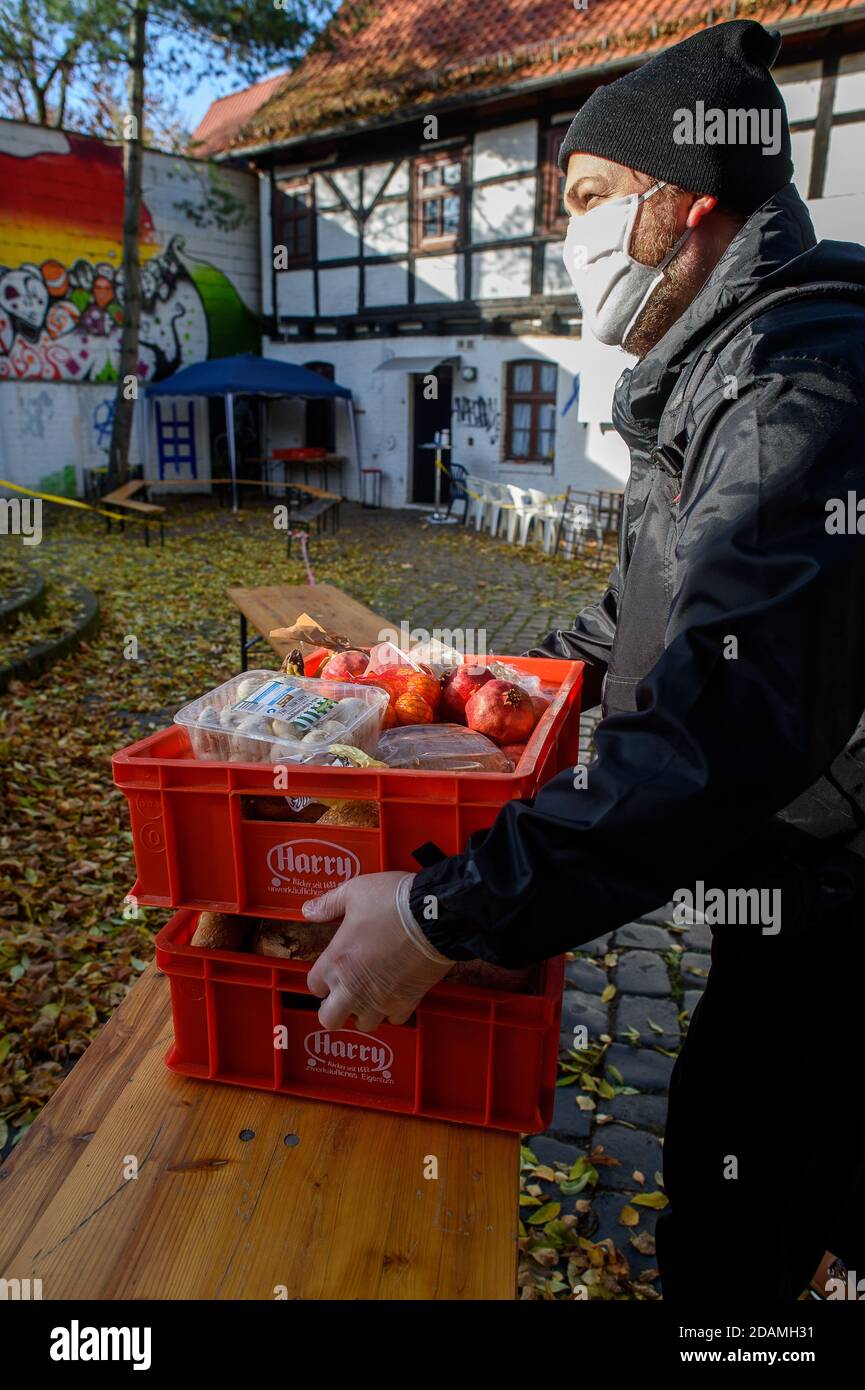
521	514
478	501
497	495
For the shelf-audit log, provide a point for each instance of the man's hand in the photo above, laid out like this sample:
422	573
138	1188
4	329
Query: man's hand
373	968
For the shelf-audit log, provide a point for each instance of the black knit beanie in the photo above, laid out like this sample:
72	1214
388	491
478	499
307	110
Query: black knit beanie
705	115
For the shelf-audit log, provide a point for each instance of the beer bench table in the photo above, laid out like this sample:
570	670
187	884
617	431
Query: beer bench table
145	512
278	605
242	1193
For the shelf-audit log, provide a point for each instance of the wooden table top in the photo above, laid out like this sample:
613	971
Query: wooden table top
279	605
342	1211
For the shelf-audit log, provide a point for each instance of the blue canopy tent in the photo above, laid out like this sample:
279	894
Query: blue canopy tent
249	375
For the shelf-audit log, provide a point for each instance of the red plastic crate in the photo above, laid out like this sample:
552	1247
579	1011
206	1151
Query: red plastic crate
195	847
308	455
473	1056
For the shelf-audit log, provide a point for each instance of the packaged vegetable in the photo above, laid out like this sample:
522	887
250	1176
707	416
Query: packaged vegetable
413	694
273	717
343	755
441	748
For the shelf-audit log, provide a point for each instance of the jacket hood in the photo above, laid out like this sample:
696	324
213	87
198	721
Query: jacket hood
775	248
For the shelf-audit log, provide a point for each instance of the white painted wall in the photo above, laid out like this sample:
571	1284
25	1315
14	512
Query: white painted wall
586	457
46	427
507	150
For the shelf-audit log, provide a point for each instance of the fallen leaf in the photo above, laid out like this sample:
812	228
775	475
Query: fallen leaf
657	1200
548	1212
543	1171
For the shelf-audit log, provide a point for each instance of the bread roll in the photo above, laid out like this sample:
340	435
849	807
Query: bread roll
222	931
293	940
364	813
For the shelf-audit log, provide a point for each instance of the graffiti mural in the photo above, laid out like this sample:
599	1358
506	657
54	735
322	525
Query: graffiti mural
61	315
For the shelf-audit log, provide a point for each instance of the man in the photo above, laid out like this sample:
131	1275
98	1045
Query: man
731	643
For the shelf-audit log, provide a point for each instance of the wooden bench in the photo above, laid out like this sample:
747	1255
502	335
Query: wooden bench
301	514
124	497
243	1194
314	512
278	605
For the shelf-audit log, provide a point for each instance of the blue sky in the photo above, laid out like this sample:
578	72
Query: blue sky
207	90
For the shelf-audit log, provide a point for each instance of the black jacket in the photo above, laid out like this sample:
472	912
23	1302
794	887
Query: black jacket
707	745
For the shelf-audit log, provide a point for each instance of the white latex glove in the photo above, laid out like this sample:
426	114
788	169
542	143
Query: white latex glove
379	964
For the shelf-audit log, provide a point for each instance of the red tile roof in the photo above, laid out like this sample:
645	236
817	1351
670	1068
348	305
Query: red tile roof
385	56
225	117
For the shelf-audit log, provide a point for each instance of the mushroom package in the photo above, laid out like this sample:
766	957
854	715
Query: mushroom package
275	717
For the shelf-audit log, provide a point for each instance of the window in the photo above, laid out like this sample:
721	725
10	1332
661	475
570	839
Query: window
438	200
320	432
530	411
555	219
292	219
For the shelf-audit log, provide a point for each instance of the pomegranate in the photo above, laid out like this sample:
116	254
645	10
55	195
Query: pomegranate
540	704
460	687
344	666
514	751
502	711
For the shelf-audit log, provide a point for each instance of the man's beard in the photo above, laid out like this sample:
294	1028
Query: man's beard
654	237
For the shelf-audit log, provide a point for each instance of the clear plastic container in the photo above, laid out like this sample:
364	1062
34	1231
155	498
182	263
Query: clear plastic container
268	717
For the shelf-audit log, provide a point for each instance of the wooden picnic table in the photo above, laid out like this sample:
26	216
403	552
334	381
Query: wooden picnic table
278	605
318	1201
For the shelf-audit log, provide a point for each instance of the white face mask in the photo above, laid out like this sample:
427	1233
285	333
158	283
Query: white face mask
612	287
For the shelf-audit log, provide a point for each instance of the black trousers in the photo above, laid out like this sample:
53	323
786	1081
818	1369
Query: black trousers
764	1154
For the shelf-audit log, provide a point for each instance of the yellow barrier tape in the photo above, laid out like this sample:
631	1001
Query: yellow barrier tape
503	506
73	502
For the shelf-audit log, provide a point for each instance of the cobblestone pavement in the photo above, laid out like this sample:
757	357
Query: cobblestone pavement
633	990
448	577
